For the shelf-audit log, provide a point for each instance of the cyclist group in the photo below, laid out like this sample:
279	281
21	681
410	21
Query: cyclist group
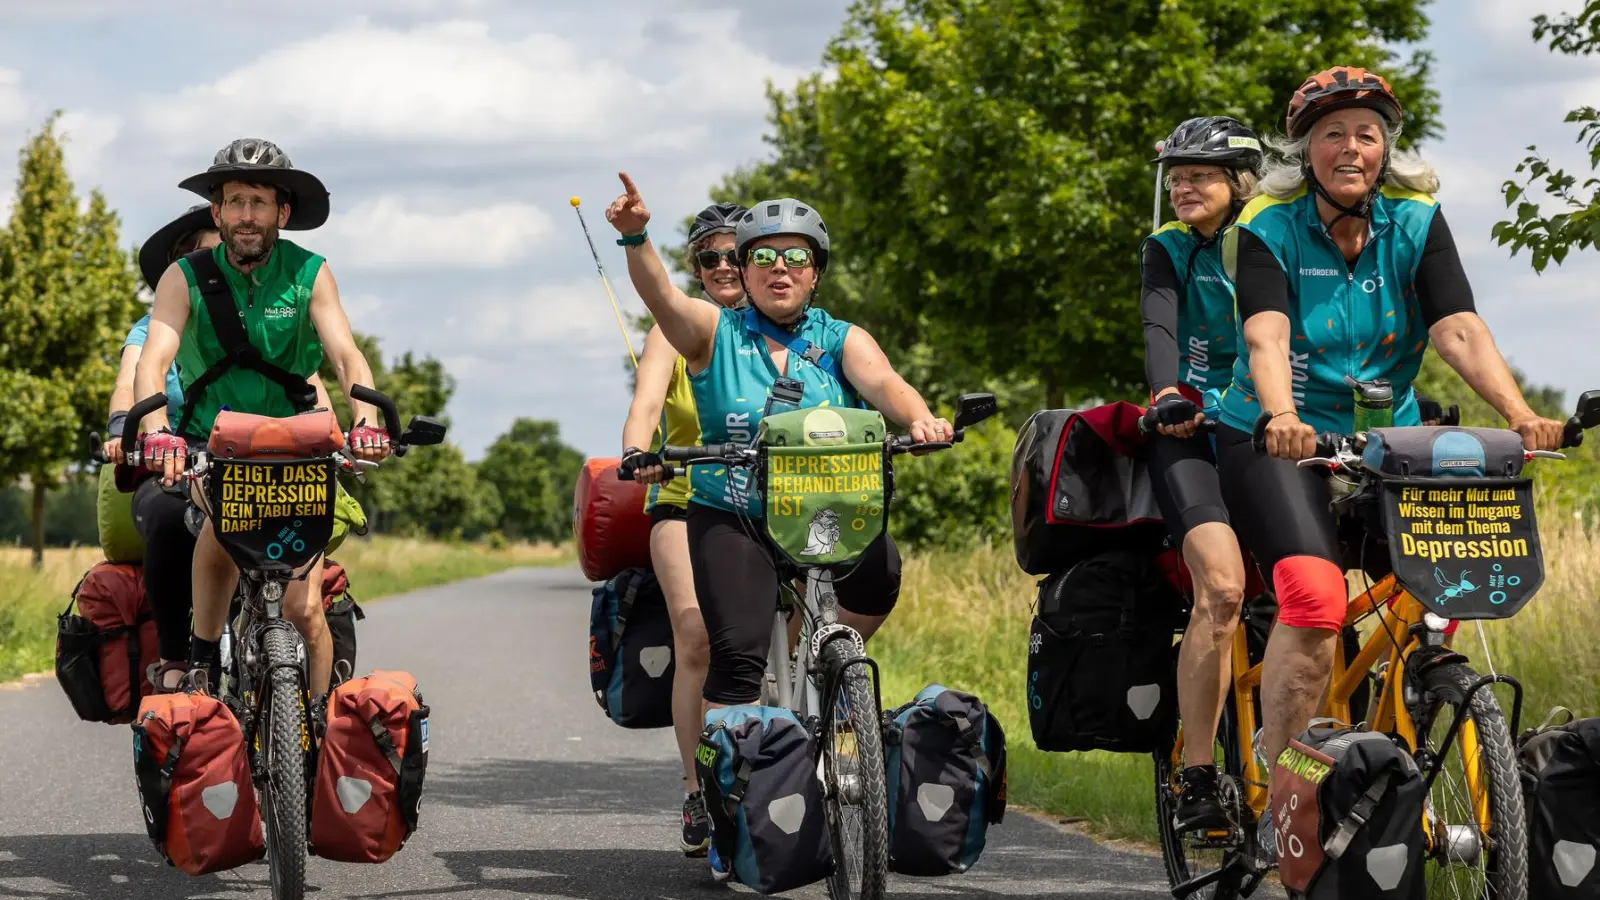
1283	278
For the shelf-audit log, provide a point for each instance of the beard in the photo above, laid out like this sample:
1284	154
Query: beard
249	243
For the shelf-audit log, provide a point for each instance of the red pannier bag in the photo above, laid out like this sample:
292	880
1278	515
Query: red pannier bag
609	522
237	435
103	650
370	769
193	772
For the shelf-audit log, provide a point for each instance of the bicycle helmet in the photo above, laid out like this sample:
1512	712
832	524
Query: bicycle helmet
262	162
1341	87
785	216
1212	140
718	218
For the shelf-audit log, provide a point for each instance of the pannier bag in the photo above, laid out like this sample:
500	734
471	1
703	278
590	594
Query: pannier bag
1561	778
342	613
1347	809
1444	451
193	773
609	521
370	768
758	768
946	759
1079	487
1102	664
103	650
631	663
120	540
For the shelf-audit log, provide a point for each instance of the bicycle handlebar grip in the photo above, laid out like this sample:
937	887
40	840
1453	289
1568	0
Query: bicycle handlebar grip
1328	443
386	406
1258	435
1572	435
130	427
685	454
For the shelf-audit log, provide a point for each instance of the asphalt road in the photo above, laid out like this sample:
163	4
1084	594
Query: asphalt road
531	791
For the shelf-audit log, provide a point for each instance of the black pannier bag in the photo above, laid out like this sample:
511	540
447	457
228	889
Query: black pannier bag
1354	804
1561	781
1102	662
1078	487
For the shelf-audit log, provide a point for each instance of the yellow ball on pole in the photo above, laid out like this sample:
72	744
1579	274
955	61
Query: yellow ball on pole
574	201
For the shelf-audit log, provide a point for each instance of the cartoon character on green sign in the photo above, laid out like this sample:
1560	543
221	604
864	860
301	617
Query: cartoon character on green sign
824	533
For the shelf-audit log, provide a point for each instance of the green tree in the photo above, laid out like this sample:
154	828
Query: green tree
433	492
67	294
535	475
1577	224
983	164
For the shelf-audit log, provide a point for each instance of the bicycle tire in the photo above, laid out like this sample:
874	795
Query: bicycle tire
1505	853
855	687
1174	852
284	794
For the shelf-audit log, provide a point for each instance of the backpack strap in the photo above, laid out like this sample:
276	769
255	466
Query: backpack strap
1339	841
236	347
741	783
756	323
973	740
626	598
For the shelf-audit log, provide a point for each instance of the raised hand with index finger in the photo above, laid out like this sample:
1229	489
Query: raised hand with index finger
627	213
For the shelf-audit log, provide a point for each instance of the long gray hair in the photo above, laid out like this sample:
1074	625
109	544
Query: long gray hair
1283	175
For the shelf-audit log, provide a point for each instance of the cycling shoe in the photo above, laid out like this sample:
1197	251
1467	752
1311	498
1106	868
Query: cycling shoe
696	826
1200	807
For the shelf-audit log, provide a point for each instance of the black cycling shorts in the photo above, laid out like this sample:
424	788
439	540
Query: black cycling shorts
1183	476
158	514
736	582
666	512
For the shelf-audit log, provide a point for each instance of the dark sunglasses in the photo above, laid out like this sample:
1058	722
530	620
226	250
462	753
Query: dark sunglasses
794	257
710	259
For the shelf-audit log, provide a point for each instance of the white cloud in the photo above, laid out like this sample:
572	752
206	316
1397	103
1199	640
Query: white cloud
391	232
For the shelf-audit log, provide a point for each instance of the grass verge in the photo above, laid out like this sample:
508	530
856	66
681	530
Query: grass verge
963	621
30	599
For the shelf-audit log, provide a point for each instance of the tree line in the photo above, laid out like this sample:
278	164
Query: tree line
69	292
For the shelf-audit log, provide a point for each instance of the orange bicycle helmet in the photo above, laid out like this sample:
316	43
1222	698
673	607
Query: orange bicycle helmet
1341	87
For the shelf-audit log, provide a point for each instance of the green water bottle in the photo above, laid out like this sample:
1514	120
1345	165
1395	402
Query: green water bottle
1374	403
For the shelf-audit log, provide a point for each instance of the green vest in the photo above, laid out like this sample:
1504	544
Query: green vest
274	303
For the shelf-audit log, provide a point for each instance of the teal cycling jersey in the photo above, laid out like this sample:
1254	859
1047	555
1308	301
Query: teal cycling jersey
1207	334
137	335
1360	320
731	396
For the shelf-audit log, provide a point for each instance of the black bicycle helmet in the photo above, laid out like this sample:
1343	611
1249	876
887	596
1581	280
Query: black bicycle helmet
1212	140
718	218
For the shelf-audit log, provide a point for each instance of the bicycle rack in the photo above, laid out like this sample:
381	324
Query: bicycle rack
1461	718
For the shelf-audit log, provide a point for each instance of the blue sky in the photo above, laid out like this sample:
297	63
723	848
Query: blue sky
452	132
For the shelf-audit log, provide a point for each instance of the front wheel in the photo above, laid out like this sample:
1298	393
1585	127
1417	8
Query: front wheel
857	799
1475	820
286	743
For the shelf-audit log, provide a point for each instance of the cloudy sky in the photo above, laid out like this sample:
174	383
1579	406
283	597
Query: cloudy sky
452	132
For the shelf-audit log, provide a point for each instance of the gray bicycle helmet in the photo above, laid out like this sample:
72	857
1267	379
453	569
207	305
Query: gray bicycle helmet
718	218
785	216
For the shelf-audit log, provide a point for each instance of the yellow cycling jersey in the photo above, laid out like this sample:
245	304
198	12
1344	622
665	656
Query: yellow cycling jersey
680	423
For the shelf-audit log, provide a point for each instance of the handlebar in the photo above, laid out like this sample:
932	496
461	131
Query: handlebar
740	454
1148	422
386	406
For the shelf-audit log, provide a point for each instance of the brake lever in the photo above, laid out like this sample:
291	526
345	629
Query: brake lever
1542	454
1319	461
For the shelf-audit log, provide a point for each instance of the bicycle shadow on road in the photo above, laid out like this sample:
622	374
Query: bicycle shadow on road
108	867
557	786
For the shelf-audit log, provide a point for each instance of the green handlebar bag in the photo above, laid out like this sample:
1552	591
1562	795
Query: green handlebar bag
824	483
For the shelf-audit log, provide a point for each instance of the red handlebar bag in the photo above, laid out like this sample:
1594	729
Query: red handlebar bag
244	436
609	521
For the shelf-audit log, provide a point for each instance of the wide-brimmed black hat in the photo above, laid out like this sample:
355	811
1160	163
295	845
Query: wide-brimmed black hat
263	162
156	253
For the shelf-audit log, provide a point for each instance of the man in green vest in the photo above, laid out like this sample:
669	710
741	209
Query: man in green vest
288	306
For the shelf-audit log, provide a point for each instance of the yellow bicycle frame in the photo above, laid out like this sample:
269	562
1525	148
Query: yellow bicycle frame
1387	649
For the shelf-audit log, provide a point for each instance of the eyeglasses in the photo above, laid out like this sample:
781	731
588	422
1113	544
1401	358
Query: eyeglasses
794	257
1173	182
238	203
710	259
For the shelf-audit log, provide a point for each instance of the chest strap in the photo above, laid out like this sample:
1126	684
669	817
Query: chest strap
235	341
758	324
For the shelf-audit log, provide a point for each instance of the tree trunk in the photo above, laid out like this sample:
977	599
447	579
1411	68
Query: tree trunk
38	522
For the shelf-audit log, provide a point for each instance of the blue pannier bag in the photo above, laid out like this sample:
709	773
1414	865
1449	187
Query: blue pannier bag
630	650
946	759
758	768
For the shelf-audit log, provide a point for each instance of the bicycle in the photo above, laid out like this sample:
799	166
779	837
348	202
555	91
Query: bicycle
829	669
275	533
1422	692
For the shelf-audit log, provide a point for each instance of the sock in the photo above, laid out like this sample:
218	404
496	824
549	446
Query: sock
205	653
